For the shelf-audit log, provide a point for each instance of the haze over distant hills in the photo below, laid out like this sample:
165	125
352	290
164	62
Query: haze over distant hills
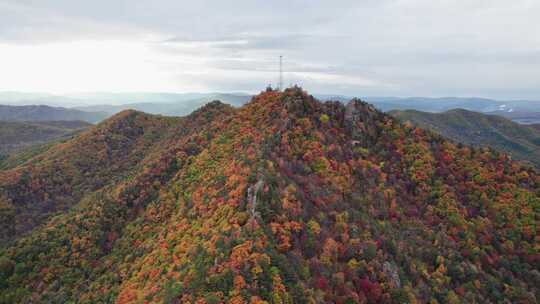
477	129
167	104
47	113
114	99
107	104
522	111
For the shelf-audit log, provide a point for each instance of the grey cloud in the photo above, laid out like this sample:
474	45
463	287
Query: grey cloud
413	47
251	41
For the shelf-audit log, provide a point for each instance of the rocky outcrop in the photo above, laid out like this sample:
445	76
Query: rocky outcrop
360	121
252	198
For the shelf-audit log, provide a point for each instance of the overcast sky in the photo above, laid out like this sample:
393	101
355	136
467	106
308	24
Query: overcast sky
487	48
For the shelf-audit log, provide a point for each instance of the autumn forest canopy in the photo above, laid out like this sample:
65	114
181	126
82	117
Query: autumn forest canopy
283	200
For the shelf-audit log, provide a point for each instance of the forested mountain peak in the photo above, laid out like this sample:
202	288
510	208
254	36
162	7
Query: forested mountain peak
283	200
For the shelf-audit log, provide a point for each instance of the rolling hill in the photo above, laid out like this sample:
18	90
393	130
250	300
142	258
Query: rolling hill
47	113
283	200
16	136
477	129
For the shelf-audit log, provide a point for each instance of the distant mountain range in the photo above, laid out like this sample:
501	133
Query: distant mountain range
47	113
116	99
447	103
522	111
168	105
103	105
477	129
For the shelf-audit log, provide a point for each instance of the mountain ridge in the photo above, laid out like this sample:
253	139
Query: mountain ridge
473	128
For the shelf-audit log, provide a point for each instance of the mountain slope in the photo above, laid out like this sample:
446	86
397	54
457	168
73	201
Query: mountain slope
520	141
15	136
289	200
59	178
46	113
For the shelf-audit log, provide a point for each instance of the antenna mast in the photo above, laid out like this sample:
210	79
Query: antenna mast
280	86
